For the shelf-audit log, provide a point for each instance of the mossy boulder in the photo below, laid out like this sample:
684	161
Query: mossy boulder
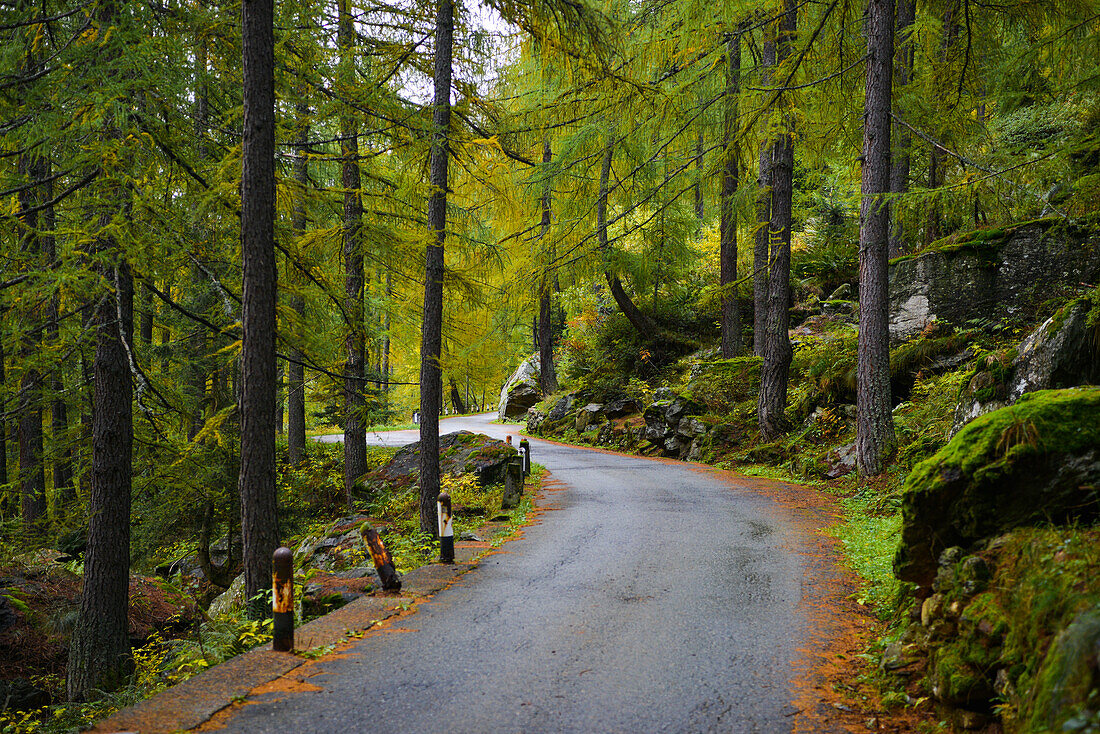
1068	684
1034	462
957	681
461	452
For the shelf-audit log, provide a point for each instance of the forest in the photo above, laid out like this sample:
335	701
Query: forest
228	228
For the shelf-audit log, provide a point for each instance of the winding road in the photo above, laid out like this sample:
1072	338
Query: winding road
649	596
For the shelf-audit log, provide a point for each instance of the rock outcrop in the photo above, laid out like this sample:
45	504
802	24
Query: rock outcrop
989	275
1063	352
1036	461
521	391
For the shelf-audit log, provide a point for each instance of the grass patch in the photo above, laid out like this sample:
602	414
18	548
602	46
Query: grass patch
869	534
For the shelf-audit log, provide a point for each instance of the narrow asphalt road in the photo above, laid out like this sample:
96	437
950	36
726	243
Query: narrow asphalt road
650	596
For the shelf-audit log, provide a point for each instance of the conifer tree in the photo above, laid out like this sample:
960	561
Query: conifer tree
431	342
875	427
259	530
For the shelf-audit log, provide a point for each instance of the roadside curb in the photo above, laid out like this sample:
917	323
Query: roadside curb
192	703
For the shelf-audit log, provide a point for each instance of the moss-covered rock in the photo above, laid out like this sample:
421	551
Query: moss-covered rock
1068	682
461	452
1035	461
957	681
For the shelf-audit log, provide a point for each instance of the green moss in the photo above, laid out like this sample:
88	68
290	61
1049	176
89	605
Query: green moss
1063	421
958	681
985	242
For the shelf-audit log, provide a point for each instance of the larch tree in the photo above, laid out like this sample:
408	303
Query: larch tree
431	339
99	649
548	375
355	434
875	440
730	316
762	234
901	138
771	403
256	483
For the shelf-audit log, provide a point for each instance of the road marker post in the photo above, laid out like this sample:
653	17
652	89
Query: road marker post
383	563
513	483
282	600
446	528
525	452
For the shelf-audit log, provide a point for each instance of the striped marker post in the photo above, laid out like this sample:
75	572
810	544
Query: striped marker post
282	600
446	529
525	452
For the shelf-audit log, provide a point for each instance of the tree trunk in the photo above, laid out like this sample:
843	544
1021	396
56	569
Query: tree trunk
256	483
772	401
99	651
637	319
355	434
3	420
64	491
874	424
431	339
727	223
296	373
32	475
385	376
762	238
932	220
145	332
456	397
548	374
699	172
901	138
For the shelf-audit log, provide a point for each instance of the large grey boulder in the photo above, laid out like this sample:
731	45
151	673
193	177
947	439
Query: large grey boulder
521	391
991	275
1061	353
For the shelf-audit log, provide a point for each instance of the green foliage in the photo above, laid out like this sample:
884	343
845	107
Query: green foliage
922	422
603	352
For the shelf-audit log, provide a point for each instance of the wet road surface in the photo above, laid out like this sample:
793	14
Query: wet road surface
649	597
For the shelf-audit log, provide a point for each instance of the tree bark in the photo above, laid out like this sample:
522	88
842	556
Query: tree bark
699	211
3	420
256	482
64	491
99	651
548	374
727	224
431	338
355	434
901	138
32	474
456	396
772	401
385	370
762	237
296	373
874	424
637	319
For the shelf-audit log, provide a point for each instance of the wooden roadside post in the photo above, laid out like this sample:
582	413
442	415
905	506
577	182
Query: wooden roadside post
391	581
446	528
282	599
513	483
